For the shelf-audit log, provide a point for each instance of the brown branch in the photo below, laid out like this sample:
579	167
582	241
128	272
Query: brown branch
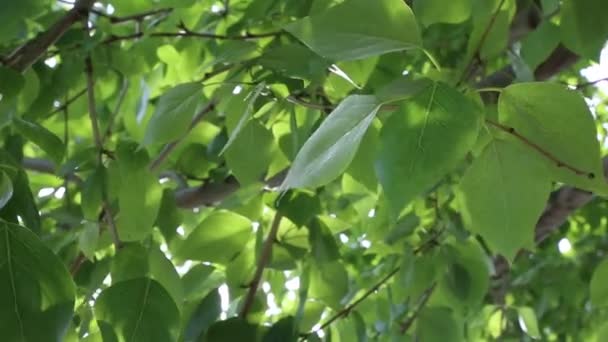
88	69
192	34
28	54
539	149
424	298
264	259
168	148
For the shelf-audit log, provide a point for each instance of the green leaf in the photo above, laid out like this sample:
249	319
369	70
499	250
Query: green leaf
22	203
564	128
139	194
232	329
282	331
36	290
42	137
12	83
251	153
91	196
467	278
323	244
598	285
538	44
584	29
218	238
87	240
502	195
329	283
173	113
527	321
245	117
206	312
429	12
339	33
6	189
299	206
490	27
423	141
438	324
331	148
137	310
135	261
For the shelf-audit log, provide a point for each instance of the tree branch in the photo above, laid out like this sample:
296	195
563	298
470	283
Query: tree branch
264	259
133	17
28	54
424	298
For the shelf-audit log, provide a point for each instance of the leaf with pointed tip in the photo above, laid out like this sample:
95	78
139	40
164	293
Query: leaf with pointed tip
173	113
218	238
564	128
424	140
36	290
137	310
255	93
42	137
339	33
331	148
502	195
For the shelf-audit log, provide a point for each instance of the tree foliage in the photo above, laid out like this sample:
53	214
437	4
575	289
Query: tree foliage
302	170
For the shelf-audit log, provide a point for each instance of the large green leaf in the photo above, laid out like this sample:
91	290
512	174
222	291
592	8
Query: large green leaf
137	310
330	149
218	238
438	11
503	194
423	141
42	137
438	324
36	291
251	152
340	33
205	313
584	29
329	283
599	285
139	194
173	113
564	128
233	329
136	261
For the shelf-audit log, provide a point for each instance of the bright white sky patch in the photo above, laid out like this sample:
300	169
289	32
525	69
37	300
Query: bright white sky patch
564	246
598	71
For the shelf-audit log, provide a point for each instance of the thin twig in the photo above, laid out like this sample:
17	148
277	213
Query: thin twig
346	310
424	298
191	34
91	97
68	102
264	259
484	36
119	101
590	83
133	17
540	150
75	266
168	148
111	223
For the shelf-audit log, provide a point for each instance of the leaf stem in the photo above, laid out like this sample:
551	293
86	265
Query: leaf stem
424	298
539	149
475	55
262	262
